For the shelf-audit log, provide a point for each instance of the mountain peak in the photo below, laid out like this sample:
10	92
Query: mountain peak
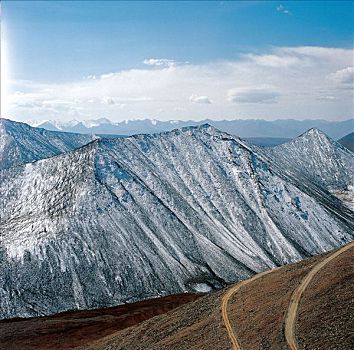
21	143
316	156
314	133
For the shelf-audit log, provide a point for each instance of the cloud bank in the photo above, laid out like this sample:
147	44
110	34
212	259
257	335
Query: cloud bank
253	95
285	82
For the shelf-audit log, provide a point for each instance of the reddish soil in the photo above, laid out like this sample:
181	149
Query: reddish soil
73	328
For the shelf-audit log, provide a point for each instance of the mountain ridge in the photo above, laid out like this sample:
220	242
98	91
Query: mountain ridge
124	219
21	143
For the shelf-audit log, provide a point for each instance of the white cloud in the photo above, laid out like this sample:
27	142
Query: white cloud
58	102
200	99
275	60
315	53
90	77
298	79
282	9
29	104
327	98
107	76
344	76
108	100
160	62
253	95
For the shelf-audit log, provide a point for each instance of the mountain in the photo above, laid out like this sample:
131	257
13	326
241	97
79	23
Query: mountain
255	128
21	143
125	219
47	125
257	314
348	141
316	157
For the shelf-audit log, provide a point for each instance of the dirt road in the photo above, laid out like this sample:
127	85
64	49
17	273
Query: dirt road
225	301
291	316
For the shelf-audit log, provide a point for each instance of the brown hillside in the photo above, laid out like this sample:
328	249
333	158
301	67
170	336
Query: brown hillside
326	316
257	313
70	329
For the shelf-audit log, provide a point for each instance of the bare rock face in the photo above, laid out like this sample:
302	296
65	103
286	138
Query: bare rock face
20	143
121	220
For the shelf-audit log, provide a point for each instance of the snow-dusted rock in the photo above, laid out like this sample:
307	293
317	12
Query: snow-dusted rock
21	143
125	219
315	157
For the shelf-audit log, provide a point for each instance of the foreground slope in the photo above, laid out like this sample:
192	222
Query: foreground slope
74	328
257	314
21	143
121	220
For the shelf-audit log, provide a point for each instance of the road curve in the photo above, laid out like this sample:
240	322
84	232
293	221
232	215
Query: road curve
290	320
224	304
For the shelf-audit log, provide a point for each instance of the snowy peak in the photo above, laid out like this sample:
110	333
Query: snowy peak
315	156
21	143
314	132
315	136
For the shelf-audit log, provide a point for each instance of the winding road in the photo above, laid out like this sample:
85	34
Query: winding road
290	320
224	304
291	316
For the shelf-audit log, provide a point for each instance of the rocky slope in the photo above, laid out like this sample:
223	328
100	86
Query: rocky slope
318	158
315	157
125	219
20	143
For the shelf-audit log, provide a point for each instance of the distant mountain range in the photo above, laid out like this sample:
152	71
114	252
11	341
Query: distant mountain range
253	128
192	209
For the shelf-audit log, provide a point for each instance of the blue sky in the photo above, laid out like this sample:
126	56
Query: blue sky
60	42
65	40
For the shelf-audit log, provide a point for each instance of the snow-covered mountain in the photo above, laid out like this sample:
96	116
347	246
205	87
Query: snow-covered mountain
125	219
21	143
255	128
316	157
